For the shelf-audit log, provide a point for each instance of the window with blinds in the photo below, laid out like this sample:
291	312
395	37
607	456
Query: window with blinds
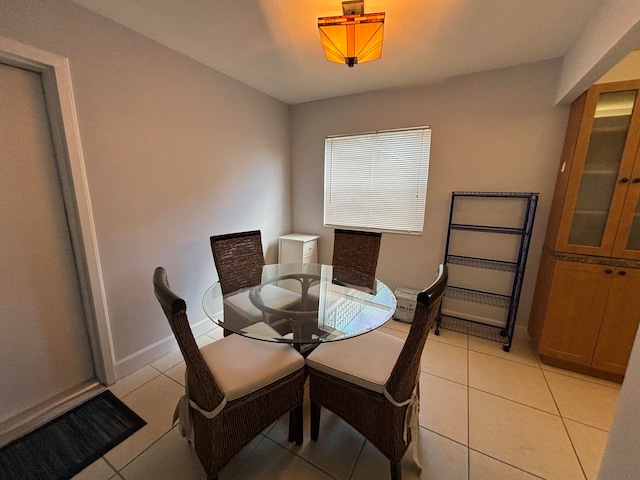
377	181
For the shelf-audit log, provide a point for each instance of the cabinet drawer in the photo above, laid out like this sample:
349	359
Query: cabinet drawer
309	248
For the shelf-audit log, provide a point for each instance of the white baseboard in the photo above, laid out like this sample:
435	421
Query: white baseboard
153	352
520	331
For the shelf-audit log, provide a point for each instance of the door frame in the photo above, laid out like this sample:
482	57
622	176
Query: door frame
61	110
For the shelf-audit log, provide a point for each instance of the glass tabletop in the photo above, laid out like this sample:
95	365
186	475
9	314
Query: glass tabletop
303	304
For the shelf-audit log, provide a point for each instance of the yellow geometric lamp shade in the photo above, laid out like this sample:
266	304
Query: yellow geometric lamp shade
352	39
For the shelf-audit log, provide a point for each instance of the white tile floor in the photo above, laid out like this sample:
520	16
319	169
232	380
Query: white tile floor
485	414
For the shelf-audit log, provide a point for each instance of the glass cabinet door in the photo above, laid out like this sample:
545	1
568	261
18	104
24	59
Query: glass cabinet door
633	239
628	240
602	174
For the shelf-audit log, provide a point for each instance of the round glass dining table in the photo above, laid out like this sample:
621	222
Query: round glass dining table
302	304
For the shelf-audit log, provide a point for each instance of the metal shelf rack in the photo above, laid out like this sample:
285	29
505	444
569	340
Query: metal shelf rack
488	232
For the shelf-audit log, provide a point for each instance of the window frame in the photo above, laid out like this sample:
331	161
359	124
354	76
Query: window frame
392	161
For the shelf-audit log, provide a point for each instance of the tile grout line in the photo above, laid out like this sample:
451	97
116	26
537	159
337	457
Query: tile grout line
517	402
504	358
575	452
564	424
588	380
235	473
118	471
115	470
119	475
507	463
469	387
136	388
353	469
468	414
295	454
142	452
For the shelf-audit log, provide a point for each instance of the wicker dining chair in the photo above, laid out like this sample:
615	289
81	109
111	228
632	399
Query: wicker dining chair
239	259
356	250
372	381
235	387
355	254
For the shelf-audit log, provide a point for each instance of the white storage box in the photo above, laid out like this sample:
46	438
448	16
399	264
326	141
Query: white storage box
406	304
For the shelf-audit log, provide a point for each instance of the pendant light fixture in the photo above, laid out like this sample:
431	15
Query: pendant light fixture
354	37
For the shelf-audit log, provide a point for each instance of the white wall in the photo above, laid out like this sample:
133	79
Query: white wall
492	131
627	69
174	151
610	35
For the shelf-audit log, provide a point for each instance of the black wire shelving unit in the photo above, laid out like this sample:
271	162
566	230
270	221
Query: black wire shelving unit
509	263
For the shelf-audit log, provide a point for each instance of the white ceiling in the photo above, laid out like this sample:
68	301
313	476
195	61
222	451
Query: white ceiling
274	45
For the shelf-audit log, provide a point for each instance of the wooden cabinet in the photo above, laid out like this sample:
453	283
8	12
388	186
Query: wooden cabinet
596	209
575	307
586	305
592	314
619	323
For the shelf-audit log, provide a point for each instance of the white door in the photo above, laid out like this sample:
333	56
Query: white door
44	345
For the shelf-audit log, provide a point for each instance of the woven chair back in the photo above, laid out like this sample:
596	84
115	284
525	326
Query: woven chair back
203	388
239	259
405	372
356	250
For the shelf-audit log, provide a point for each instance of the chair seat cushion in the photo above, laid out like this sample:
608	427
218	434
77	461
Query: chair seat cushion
241	365
366	360
262	330
272	296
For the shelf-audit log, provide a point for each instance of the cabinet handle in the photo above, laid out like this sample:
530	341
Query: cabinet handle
622	272
624	180
636	180
608	271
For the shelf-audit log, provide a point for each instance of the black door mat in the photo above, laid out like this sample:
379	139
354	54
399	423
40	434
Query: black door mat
67	444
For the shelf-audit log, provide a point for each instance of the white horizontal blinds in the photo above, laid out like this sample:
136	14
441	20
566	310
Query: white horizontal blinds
377	180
